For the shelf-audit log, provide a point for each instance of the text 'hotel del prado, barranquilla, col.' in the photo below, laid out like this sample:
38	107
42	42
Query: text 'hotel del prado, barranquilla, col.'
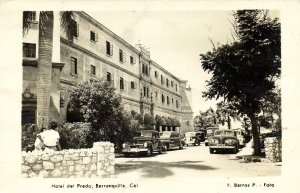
95	51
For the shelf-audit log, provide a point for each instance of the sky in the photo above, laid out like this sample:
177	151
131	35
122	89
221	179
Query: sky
175	39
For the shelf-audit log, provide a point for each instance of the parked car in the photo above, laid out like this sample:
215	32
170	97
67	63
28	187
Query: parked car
171	139
209	134
193	138
144	142
240	137
223	140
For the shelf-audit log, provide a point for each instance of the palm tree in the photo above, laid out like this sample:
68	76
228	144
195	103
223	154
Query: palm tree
226	112
45	47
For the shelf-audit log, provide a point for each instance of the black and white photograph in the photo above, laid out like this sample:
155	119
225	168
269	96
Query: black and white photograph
162	96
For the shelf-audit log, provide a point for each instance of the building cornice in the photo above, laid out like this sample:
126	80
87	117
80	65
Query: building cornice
130	99
170	110
75	46
165	71
58	65
68	82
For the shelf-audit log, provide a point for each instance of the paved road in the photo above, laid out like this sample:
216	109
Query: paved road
191	161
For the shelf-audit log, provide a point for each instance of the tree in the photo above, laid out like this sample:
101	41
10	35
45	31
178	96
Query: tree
99	105
244	71
45	48
206	119
226	112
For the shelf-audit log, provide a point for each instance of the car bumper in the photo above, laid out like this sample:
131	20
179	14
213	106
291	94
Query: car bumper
134	150
221	147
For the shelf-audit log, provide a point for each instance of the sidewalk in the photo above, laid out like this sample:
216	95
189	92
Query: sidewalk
246	154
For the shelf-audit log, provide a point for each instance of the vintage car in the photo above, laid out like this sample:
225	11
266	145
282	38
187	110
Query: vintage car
209	134
144	142
171	140
240	137
223	140
192	138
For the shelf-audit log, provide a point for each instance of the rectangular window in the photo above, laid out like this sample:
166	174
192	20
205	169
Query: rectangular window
109	48
145	69
73	66
172	83
75	28
29	50
133	85
132	60
162	98
121	83
176	87
156	94
122	56
155	74
108	76
145	91
167	81
93	70
162	79
172	101
168	101
177	104
93	36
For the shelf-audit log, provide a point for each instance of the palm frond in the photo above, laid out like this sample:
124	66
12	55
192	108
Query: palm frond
66	22
27	15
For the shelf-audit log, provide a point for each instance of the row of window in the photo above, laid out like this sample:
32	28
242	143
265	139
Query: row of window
146	94
168	100
109	45
146	71
165	80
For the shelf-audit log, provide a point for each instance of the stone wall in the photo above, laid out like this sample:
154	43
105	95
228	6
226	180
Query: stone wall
98	161
273	149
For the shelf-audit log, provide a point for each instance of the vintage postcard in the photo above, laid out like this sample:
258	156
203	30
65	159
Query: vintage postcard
152	96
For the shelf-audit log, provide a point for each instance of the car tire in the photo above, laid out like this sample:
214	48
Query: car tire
160	150
180	146
149	151
211	151
167	147
234	150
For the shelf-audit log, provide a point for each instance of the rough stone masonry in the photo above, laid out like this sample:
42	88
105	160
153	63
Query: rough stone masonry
98	161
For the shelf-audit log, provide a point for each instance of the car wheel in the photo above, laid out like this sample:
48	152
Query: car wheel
160	150
211	151
167	147
149	151
234	150
180	146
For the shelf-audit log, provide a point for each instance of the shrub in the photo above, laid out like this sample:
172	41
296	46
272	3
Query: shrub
29	133
74	135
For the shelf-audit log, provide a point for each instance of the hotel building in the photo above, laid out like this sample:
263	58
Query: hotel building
95	51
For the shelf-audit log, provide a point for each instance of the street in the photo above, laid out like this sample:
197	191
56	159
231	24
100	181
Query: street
193	161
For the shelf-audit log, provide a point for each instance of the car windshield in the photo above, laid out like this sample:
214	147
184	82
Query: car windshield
143	134
226	133
165	134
